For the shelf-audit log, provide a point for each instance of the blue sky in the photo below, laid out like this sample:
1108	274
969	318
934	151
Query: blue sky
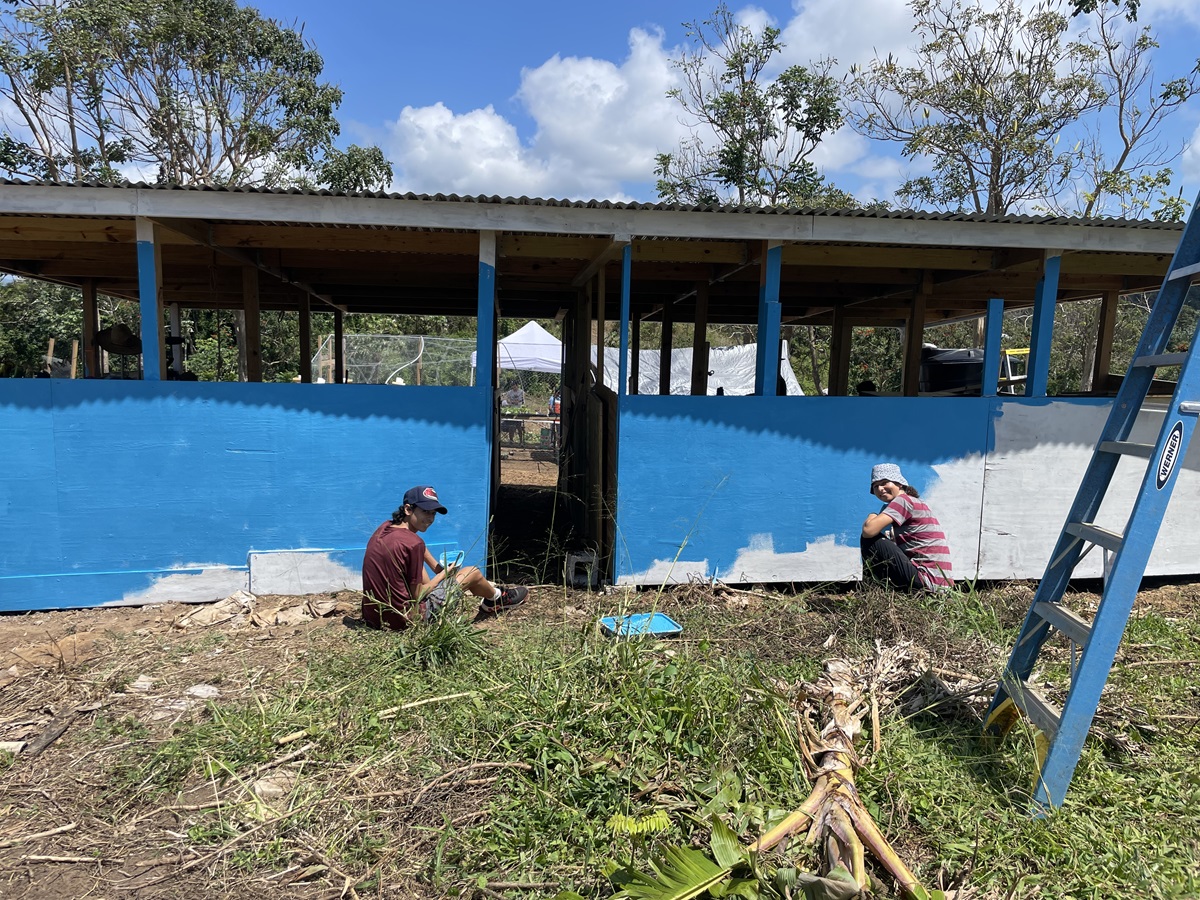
557	99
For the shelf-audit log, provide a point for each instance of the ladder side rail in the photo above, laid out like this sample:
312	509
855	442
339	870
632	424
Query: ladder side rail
1063	559
1035	631
1098	476
1117	427
1120	591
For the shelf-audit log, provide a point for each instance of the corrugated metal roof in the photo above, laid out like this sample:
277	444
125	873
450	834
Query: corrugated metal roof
909	214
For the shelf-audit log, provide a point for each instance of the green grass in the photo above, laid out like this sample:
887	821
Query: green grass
593	727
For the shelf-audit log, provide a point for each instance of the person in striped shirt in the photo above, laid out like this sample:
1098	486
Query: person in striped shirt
904	544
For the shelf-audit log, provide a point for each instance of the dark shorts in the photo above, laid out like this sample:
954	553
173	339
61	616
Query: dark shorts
431	604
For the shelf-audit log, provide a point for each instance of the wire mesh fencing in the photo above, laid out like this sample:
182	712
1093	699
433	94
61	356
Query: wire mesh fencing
397	359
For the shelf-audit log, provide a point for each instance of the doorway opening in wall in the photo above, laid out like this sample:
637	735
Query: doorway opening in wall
528	522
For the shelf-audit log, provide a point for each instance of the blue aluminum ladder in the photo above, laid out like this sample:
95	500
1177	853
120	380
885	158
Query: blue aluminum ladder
1060	733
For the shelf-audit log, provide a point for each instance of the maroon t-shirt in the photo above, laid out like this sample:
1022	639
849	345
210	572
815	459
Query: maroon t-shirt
393	560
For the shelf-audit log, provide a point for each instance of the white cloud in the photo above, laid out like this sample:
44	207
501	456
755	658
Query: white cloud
438	151
1160	13
1189	166
755	18
849	33
598	125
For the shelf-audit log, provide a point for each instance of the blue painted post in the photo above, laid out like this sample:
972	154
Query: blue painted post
91	352
767	353
485	338
149	280
1037	377
626	277
991	347
485	353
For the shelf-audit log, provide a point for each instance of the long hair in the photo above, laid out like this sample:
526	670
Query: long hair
910	490
399	515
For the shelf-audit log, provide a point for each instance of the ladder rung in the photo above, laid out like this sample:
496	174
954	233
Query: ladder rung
1065	621
1183	272
1109	540
1040	711
1127	448
1161	359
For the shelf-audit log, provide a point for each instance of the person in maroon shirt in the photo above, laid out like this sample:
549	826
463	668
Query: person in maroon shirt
395	580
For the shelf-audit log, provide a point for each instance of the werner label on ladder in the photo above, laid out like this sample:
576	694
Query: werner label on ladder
1060	733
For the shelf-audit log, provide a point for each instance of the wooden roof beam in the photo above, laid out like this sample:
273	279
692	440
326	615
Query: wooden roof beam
200	232
615	248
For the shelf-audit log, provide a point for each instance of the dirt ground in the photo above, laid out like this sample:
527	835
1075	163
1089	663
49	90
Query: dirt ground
528	467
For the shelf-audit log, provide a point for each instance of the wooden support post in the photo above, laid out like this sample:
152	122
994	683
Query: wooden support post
700	342
664	349
91	350
994	321
581	400
839	353
595	472
149	256
1104	340
175	325
74	357
485	359
601	290
1037	377
339	348
626	279
305	339
767	353
50	356
635	350
252	331
914	336
150	300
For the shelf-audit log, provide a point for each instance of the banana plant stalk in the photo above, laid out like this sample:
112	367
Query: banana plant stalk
834	816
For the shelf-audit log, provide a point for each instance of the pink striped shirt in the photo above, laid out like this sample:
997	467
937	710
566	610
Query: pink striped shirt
919	534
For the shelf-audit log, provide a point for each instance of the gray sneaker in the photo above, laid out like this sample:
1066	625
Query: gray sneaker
510	598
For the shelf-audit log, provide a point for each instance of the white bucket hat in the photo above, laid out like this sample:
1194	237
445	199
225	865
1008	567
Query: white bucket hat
886	472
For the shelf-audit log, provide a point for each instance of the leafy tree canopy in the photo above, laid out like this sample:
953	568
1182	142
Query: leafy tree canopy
989	94
197	91
752	135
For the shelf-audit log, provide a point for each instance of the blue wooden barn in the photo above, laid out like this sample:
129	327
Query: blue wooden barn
134	491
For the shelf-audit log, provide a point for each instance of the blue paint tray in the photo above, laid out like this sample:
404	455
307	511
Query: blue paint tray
641	625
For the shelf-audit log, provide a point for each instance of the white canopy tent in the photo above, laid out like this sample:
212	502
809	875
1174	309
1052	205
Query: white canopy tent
531	348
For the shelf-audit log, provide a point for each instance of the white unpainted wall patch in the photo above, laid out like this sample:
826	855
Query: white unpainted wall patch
303	571
203	586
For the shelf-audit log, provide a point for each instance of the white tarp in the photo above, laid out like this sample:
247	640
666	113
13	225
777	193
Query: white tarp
531	348
731	368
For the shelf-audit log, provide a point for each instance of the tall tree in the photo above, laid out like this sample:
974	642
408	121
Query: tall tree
192	91
1122	165
989	94
752	135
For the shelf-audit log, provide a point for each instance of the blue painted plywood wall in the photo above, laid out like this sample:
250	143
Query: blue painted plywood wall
125	491
776	488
